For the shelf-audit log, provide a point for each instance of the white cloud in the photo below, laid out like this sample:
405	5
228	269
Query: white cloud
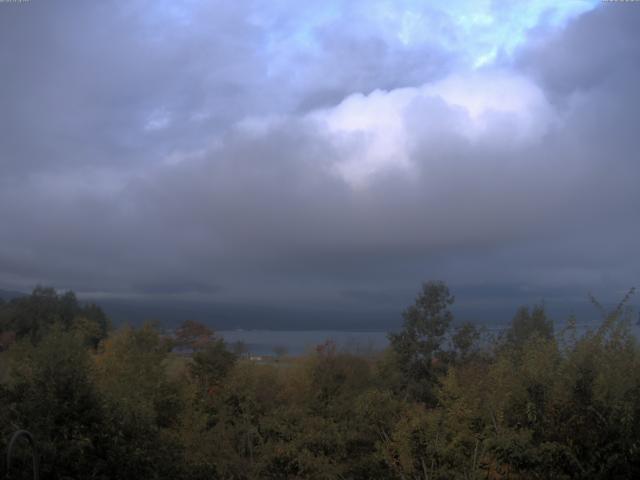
159	119
376	132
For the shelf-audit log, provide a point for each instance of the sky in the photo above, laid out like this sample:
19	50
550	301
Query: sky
321	155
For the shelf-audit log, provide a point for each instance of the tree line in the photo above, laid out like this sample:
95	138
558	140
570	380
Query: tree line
443	401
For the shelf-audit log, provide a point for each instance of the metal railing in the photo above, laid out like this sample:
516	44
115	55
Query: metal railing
34	452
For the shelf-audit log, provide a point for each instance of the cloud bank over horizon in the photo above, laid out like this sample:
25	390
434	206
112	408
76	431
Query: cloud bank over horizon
338	154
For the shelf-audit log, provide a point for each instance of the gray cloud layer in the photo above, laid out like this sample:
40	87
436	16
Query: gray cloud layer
205	159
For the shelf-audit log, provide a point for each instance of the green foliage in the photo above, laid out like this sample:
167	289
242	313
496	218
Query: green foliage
193	335
418	347
142	405
50	393
435	405
211	364
35	315
528	323
465	341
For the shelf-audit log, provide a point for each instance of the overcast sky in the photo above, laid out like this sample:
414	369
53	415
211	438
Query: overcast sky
320	153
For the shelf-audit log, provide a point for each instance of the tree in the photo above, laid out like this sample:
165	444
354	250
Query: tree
418	346
34	315
95	323
464	341
142	405
51	394
193	335
212	363
526	324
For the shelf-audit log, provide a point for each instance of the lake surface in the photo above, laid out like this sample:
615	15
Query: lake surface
297	342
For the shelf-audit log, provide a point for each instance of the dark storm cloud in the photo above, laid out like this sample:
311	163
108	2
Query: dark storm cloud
593	53
361	58
174	287
89	83
107	83
205	159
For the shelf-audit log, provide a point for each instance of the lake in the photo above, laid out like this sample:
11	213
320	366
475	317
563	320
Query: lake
297	342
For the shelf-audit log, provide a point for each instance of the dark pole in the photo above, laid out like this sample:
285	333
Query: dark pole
34	452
